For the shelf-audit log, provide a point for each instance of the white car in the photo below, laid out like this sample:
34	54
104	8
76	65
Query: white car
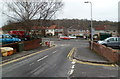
72	37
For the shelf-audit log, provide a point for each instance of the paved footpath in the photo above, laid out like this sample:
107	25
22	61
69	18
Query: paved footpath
23	53
86	54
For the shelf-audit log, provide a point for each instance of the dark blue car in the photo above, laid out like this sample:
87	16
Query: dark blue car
6	39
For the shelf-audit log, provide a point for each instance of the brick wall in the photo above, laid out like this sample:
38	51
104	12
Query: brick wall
107	52
28	45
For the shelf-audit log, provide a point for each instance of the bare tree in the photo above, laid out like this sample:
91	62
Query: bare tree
26	10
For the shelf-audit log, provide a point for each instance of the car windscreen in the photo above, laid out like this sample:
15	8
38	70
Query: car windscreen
7	36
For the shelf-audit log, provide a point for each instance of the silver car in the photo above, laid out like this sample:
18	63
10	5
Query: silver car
111	42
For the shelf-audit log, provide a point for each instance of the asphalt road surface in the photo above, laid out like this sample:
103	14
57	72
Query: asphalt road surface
53	62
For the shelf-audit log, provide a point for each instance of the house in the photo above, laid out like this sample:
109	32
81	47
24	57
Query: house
106	29
77	31
49	31
54	30
39	30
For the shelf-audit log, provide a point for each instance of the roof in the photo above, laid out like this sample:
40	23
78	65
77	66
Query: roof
102	27
55	27
78	27
38	27
51	27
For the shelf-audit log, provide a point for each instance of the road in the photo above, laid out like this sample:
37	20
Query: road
53	62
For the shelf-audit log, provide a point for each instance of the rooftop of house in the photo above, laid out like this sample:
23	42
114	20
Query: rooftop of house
78	27
100	28
51	27
55	27
103	27
38	27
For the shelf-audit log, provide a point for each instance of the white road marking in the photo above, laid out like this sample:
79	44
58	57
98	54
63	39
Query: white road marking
71	69
33	71
71	72
73	62
73	66
42	58
54	52
31	64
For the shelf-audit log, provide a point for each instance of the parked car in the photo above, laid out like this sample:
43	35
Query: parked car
6	39
113	42
65	37
72	37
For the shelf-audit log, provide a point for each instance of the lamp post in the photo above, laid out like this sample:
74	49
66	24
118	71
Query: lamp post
91	22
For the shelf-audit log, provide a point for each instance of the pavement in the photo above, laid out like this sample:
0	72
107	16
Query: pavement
86	54
23	53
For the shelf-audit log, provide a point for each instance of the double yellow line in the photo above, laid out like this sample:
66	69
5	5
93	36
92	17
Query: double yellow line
71	53
18	59
95	64
69	56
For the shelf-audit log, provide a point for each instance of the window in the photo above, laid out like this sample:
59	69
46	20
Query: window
7	36
74	30
52	29
56	30
80	30
46	30
70	34
112	39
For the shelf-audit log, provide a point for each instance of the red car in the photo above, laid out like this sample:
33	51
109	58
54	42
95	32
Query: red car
65	37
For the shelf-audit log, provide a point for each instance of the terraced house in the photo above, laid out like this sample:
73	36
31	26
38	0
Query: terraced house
54	30
77	31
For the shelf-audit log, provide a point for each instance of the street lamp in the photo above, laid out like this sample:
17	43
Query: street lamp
91	22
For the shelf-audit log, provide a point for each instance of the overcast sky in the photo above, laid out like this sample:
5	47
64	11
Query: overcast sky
102	9
77	9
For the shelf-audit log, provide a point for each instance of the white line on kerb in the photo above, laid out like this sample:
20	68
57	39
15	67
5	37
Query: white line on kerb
73	62
71	72
73	66
42	58
31	64
54	52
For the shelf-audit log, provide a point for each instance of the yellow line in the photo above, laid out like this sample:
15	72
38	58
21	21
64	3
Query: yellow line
71	52
88	63
24	57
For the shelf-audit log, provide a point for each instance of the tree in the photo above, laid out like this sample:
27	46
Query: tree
26	10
